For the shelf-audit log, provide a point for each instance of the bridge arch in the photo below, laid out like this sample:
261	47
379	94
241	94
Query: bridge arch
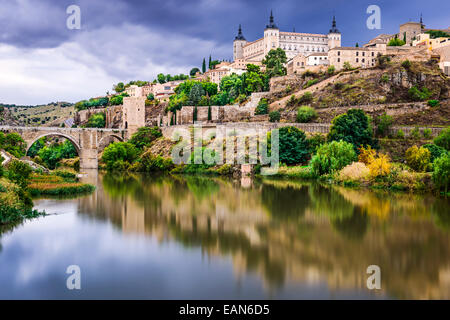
58	134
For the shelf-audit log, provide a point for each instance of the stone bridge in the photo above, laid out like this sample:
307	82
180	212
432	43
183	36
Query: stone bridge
87	141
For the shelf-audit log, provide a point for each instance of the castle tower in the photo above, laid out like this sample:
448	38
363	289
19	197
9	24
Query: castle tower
271	35
238	45
334	36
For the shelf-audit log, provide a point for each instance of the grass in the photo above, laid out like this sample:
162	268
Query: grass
59	183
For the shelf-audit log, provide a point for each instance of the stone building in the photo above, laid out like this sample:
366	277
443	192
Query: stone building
357	57
292	43
133	116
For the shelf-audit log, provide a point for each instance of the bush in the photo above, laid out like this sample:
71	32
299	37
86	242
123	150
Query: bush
366	155
306	114
13	143
97	120
332	156
307	97
441	172
433	103
418	159
145	136
310	83
384	78
118	155
380	166
331	70
427	134
19	172
315	141
151	163
357	171
406	64
418	95
293	146
400	134
415	133
263	107
435	151
353	127
384	123
443	139
274	116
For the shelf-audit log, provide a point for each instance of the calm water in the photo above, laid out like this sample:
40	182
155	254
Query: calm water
207	238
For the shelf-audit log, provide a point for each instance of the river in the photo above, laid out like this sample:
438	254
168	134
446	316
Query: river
147	237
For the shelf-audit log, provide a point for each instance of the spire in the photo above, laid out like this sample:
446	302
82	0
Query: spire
333	26
240	36
271	24
421	22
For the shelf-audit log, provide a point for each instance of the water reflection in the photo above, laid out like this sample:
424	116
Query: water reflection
295	237
292	231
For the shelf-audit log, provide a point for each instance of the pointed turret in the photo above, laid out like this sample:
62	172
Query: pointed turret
333	26
271	24
240	36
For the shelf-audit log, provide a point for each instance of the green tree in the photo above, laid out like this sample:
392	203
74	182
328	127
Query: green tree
145	136
274	62
443	139
306	114
119	155
196	93
194	71
203	66
119	87
293	146
262	107
19	172
97	120
13	143
441	172
333	156
384	123
274	116
161	78
353	127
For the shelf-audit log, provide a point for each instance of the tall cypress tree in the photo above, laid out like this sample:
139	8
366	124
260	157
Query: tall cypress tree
209	64
204	66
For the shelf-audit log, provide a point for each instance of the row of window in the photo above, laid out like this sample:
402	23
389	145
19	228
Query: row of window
303	38
357	53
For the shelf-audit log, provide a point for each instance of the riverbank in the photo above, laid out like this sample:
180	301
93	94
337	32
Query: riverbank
58	183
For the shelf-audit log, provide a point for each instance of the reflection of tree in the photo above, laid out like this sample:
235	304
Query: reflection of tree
119	184
353	227
201	187
441	213
286	203
329	203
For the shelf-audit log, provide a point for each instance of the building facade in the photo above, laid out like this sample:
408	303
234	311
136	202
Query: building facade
293	43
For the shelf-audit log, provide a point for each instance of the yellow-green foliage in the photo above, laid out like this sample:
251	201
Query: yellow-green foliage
418	159
380	166
366	155
357	171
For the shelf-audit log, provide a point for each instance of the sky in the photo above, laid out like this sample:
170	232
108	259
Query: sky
42	61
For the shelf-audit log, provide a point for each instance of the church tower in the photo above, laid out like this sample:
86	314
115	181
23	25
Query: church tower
238	45
334	36
271	35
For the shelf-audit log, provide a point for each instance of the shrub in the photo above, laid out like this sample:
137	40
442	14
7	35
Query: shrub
435	151
307	97
151	163
292	101
306	114
441	172
443	139
274	116
418	159
406	64
385	78
357	171
118	155
315	141
310	83
433	103
19	172
384	123
347	66
415	133
380	166
331	70
293	146
263	107
145	136
97	120
366	155
427	133
13	143
418	95
332	156
353	127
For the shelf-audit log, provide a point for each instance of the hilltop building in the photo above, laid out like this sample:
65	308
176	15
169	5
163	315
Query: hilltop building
293	43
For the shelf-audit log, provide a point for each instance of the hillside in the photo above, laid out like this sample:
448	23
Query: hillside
376	90
52	114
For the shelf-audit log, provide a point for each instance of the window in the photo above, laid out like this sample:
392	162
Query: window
357	60
357	53
362	61
339	59
339	53
363	54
